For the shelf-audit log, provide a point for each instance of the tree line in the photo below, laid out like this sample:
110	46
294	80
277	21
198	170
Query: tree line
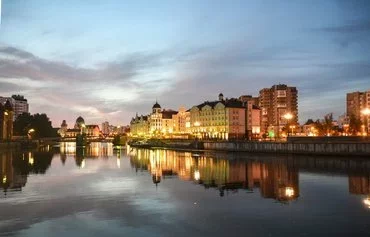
326	126
39	124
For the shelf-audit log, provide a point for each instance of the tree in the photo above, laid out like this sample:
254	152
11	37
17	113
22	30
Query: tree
309	122
354	125
40	123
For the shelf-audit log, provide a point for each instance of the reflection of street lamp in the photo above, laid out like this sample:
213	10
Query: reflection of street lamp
289	192
366	113
196	175
367	202
288	117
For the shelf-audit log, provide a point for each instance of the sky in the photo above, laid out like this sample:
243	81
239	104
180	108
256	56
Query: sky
107	60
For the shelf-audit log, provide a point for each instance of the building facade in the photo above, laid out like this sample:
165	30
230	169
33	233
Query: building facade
220	119
275	103
356	103
139	126
105	128
18	103
252	116
6	121
181	121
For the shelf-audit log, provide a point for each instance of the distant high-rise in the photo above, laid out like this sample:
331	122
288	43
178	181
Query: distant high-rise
19	104
275	102
356	102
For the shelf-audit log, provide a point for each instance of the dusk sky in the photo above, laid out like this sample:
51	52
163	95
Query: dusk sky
107	60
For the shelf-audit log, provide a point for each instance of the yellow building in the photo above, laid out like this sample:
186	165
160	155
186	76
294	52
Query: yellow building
139	126
181	121
221	119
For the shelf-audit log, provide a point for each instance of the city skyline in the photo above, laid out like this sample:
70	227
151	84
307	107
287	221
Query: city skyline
107	61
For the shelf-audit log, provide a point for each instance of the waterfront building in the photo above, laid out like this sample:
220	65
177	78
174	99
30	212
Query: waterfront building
92	130
139	126
18	103
220	119
356	103
6	121
252	116
275	103
80	123
63	129
181	121
160	121
105	128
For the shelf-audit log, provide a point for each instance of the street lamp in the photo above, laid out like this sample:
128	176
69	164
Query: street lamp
29	132
288	117
366	113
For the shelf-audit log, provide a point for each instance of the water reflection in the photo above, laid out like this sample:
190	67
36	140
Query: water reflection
93	150
15	167
275	179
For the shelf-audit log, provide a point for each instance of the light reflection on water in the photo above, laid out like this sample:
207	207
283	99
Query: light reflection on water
149	192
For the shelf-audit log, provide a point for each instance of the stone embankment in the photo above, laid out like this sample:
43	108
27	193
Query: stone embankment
338	146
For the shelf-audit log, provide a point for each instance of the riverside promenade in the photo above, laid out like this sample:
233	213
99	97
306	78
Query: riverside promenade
336	146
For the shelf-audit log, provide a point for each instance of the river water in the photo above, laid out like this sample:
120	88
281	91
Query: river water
98	191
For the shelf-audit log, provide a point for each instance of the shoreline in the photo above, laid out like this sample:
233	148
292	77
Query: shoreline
357	149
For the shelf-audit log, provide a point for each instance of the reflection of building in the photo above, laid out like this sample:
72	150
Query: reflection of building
6	121
274	103
275	179
93	150
11	179
359	183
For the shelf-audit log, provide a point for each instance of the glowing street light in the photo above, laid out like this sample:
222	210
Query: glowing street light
366	113
367	202
288	117
6	113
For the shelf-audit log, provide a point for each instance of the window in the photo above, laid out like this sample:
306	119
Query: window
281	93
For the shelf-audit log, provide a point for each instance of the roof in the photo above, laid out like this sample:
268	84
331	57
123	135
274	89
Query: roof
156	105
92	126
80	120
229	103
73	130
167	114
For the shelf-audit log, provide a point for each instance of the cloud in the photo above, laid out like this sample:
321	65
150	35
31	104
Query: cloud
357	31
95	92
115	91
